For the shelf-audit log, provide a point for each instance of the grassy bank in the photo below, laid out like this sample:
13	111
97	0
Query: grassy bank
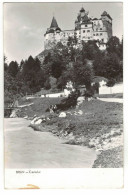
38	107
99	126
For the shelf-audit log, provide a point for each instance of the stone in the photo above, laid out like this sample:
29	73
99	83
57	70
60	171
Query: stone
42	116
80	112
91	144
89	99
80	101
34	120
26	117
62	115
38	122
13	114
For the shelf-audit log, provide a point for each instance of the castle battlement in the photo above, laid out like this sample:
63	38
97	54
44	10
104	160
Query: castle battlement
86	28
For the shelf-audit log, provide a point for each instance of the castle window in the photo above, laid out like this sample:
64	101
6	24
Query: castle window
97	34
93	34
88	30
83	31
86	25
100	28
101	34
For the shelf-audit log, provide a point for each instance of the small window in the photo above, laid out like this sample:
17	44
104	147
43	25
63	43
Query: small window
101	34
88	30
88	37
100	28
83	31
86	25
93	34
97	34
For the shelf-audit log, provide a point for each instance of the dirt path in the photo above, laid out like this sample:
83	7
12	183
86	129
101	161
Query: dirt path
26	148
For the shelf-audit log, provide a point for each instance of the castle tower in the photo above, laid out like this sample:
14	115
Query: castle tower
52	35
107	23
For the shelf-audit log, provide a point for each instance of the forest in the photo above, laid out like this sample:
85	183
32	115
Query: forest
62	64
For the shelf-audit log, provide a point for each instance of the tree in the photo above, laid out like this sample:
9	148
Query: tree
83	73
13	68
90	50
21	65
113	46
112	66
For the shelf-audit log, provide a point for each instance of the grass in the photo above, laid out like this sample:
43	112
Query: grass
98	118
112	158
39	106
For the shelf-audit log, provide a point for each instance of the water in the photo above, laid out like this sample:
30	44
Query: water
26	148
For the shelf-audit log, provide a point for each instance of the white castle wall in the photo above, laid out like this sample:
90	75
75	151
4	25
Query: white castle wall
117	88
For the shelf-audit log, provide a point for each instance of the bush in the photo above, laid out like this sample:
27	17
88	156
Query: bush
47	84
89	93
69	102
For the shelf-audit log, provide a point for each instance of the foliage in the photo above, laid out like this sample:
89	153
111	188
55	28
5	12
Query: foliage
90	50
19	80
70	101
110	83
13	68
83	73
63	64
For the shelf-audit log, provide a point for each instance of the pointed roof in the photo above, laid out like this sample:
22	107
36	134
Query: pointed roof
54	23
82	10
104	13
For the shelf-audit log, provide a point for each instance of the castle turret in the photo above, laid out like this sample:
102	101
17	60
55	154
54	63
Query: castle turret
107	22
54	24
52	34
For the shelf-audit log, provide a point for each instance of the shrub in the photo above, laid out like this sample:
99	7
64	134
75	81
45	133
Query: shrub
69	102
89	93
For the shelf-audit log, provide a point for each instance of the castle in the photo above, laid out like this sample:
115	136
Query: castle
86	28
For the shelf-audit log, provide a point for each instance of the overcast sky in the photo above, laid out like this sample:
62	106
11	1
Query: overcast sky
26	23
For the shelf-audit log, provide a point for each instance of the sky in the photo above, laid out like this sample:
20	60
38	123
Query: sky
26	23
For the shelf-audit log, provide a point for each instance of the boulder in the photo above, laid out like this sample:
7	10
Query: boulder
80	112
80	101
26	117
42	116
62	115
34	120
13	114
91	144
39	121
